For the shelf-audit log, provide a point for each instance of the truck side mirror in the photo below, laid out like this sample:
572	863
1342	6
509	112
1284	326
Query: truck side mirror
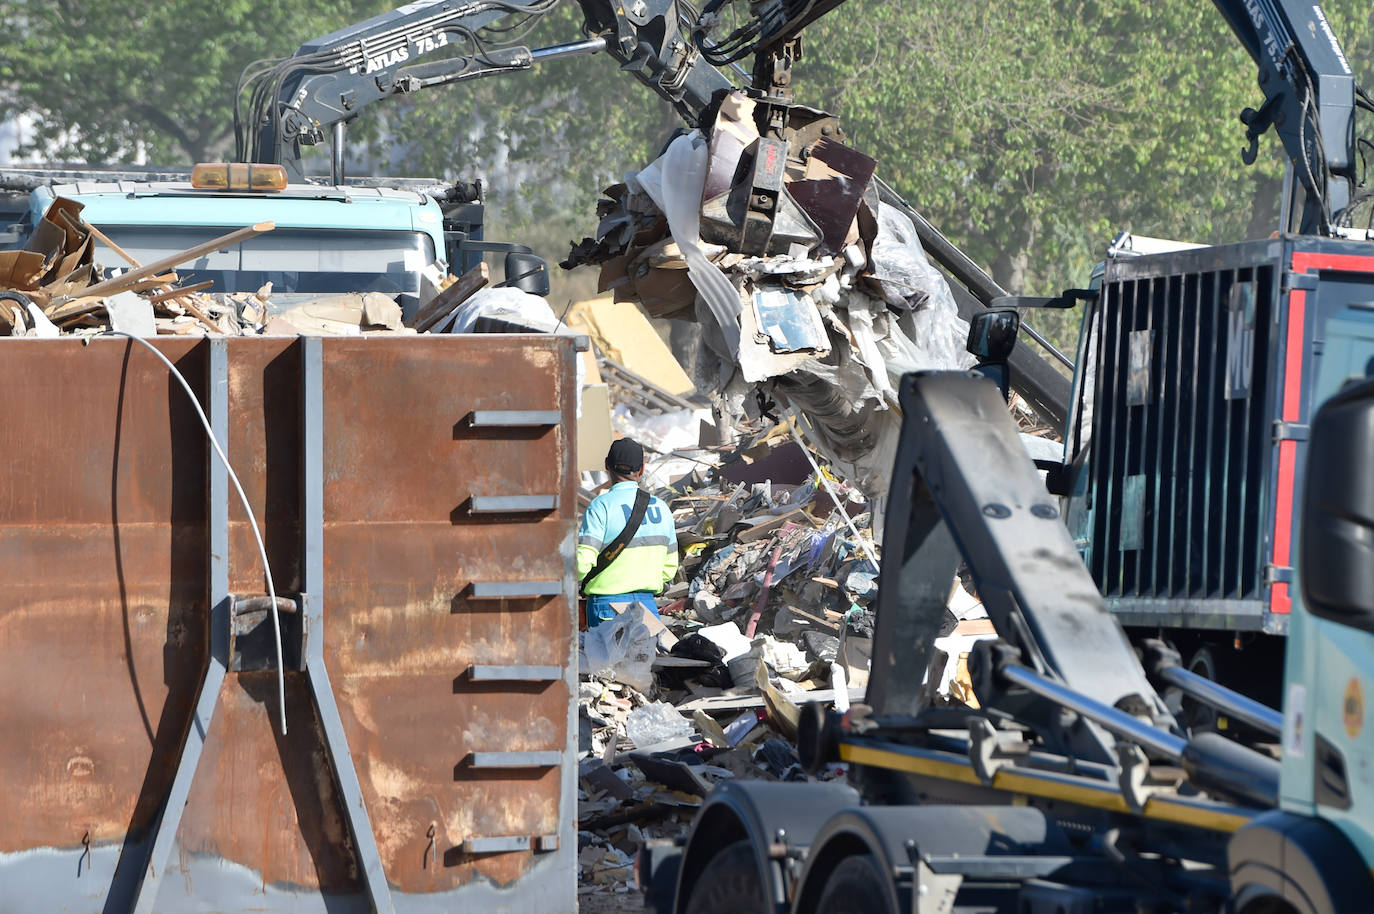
991	337
528	273
1336	538
992	334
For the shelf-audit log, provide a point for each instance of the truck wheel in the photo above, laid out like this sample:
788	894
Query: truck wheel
1199	717
856	887
730	882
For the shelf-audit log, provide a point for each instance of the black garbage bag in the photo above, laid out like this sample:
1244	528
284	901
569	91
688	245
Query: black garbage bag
779	758
697	647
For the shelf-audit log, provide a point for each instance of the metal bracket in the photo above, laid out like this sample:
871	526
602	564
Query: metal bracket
252	643
512	504
490	673
1278	574
985	751
931	892
514	418
1308	282
509	844
1138	782
547	759
1290	431
514	590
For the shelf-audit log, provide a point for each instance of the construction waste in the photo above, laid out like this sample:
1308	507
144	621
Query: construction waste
54	286
809	305
837	302
773	610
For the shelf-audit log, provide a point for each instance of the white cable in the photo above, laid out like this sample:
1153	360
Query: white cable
233	477
834	496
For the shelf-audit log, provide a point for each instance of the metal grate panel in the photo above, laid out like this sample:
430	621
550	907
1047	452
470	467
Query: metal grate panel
1182	432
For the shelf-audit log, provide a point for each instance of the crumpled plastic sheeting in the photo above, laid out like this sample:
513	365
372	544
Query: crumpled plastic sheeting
621	649
833	345
901	267
680	201
506	304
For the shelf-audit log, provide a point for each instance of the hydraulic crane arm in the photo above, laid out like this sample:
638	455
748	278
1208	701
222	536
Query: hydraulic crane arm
300	99
294	101
647	38
1310	99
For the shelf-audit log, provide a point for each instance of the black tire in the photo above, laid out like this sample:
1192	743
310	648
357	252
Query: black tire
1268	904
730	882
857	886
1199	717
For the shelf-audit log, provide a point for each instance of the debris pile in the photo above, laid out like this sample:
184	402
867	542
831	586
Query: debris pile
813	294
773	610
53	287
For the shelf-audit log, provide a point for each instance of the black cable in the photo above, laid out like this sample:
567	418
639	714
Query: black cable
1310	116
749	38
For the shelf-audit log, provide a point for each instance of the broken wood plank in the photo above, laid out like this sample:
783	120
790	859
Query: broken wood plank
76	223
765	527
86	306
65	307
180	291
447	301
201	316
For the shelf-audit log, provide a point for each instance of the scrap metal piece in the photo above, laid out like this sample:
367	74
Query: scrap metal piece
836	180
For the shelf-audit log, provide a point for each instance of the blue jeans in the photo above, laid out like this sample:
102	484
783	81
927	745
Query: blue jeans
599	605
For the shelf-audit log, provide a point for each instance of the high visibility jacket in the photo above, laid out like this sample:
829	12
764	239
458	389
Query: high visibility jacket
649	560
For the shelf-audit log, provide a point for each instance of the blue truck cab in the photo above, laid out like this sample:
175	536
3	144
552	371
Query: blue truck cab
328	239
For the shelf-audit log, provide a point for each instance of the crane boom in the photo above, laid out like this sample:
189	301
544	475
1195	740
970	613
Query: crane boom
1310	96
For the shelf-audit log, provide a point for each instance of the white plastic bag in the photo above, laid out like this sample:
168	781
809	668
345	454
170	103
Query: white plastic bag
656	723
622	649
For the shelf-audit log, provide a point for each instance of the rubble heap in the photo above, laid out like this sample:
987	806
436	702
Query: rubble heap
835	303
774	609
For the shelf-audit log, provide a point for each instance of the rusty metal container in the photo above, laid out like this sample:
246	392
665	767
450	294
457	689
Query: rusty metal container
416	497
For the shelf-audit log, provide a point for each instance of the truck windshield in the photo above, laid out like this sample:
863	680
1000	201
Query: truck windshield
294	260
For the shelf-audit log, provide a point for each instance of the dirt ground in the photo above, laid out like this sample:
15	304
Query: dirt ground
607	903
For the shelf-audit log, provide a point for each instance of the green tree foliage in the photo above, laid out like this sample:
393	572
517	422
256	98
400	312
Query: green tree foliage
1030	132
110	79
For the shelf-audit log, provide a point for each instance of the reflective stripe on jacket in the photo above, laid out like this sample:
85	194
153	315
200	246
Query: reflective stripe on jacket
649	560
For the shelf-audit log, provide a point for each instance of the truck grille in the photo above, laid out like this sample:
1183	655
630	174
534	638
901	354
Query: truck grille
1181	434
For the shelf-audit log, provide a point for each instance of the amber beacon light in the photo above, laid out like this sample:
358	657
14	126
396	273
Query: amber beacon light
238	176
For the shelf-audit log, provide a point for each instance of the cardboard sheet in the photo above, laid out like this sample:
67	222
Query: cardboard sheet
623	334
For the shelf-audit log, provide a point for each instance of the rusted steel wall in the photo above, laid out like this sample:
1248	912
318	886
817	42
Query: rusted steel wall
104	623
102	585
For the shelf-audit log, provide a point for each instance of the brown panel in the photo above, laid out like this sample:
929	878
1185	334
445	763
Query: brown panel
401	552
267	801
103	621
265	449
102	559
